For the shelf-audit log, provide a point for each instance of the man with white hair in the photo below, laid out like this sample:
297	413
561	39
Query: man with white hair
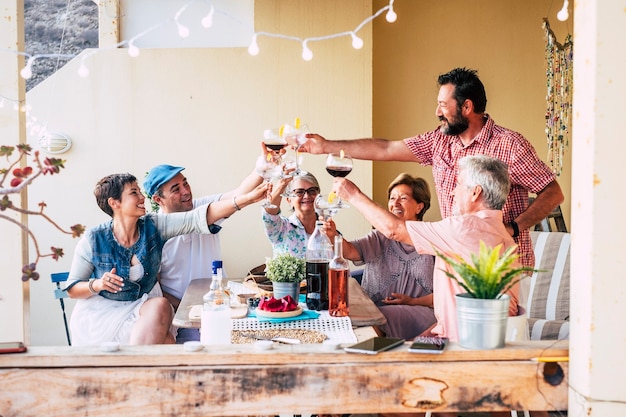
481	190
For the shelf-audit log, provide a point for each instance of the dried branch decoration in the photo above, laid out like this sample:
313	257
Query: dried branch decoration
21	177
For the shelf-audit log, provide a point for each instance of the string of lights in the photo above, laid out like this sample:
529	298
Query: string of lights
207	22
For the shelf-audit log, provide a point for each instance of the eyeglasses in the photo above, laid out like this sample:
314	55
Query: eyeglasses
312	192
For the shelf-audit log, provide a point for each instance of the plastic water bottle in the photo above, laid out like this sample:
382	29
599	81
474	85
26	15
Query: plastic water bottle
215	323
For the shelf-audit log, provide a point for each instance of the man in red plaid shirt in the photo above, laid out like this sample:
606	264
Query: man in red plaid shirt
466	129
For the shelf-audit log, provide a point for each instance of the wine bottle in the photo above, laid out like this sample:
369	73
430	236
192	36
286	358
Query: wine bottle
338	275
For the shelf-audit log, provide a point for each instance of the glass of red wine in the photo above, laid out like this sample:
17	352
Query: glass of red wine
273	140
337	165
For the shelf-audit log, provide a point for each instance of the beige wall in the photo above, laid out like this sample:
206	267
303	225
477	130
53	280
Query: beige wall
204	109
503	40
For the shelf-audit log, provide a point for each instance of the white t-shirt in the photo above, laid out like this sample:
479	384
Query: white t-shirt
188	257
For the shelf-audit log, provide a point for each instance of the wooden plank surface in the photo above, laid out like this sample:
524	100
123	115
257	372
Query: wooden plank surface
174	355
363	312
236	381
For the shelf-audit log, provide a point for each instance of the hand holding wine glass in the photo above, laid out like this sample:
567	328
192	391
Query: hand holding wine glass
268	166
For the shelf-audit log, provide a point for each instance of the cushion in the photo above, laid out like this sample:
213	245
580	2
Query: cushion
548	300
548	329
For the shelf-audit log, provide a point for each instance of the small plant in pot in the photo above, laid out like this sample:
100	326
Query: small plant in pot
483	310
286	272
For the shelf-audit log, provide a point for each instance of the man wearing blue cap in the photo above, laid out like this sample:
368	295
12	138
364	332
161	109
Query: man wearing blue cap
190	256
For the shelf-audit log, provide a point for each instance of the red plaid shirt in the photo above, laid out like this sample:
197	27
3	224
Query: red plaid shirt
527	172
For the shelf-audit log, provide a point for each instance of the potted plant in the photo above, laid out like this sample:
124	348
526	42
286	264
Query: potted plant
483	310
286	272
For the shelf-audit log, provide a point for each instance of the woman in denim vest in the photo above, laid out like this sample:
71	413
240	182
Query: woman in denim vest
115	265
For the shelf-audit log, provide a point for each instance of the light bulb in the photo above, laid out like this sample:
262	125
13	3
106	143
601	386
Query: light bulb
253	49
307	54
207	21
357	43
83	71
183	31
132	50
563	14
26	72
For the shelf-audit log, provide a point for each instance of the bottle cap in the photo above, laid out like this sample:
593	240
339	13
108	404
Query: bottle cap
215	266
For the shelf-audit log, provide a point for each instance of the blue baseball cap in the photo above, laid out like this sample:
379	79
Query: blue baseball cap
158	176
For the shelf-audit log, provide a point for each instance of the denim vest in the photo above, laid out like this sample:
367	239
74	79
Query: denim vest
108	254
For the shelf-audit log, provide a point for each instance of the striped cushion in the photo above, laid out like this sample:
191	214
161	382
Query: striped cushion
548	329
549	290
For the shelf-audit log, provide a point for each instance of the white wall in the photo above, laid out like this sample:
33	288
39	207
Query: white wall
204	109
597	366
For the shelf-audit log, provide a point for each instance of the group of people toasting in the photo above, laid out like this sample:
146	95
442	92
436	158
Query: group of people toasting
129	273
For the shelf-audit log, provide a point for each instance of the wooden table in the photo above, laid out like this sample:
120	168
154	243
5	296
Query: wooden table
363	312
238	380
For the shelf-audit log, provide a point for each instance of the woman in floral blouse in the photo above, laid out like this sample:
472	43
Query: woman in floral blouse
291	234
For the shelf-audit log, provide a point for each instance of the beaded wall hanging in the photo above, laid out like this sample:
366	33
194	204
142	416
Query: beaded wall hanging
559	81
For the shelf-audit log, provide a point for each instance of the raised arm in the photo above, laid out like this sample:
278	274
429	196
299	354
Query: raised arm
226	207
372	149
383	220
248	184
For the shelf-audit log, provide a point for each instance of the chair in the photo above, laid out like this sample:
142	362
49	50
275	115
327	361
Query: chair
556	217
60	294
548	299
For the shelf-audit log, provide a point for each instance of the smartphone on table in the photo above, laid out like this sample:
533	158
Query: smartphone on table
374	345
428	344
12	347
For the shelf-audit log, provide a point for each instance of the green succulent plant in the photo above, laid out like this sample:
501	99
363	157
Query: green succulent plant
489	274
285	268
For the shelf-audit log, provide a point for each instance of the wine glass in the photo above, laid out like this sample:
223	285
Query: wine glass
290	160
327	207
273	140
296	136
268	166
339	165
